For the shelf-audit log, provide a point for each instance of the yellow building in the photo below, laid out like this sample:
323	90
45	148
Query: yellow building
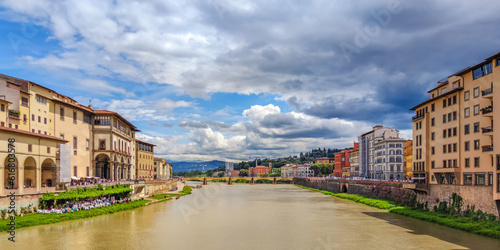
34	161
73	122
145	160
453	131
325	160
408	159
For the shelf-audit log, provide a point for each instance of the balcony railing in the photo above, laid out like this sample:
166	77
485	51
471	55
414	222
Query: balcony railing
418	117
487	148
487	129
487	110
14	114
486	91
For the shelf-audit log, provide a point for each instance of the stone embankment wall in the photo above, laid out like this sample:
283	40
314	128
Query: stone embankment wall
20	201
160	187
479	196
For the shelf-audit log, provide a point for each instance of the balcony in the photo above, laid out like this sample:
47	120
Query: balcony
487	129
14	114
418	117
487	148
487	110
487	92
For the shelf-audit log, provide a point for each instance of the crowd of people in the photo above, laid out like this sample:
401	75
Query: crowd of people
70	207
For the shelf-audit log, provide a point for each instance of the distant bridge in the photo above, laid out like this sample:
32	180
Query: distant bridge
251	180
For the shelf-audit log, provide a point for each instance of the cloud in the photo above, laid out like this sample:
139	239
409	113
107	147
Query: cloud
166	105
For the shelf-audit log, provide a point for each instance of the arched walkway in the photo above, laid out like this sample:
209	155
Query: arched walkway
48	173
102	168
29	173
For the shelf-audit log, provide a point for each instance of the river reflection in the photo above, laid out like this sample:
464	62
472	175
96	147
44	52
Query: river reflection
241	216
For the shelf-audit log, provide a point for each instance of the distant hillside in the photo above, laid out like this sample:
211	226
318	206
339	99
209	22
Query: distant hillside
184	166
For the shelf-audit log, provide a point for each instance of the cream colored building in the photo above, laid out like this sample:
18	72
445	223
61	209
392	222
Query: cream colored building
454	135
34	158
114	146
145	160
162	169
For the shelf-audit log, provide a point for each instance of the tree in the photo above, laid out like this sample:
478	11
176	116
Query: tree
326	169
316	168
210	172
243	172
221	174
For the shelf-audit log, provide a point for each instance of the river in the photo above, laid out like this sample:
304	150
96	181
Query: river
246	216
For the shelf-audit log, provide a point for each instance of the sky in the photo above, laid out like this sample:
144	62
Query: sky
229	80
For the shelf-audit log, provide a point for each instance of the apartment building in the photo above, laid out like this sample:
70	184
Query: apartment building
454	130
342	166
367	148
354	162
145	160
389	154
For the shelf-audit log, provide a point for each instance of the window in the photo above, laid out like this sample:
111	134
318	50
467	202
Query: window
61	135
467	162
454	115
449	148
476	144
75	116
24	101
87	143
454	99
30	148
444	118
476	161
432	122
61	113
39	119
449	132
102	120
74	152
467	112
87	118
444	163
476	92
45	120
25	117
482	71
41	100
466	95
2	107
449	101
432	107
75	142
48	150
444	103
432	136
75	171
467	146
476	109
432	164
480	179
432	150
467	179
443	90
476	127
454	147
444	149
467	129
490	179
88	171
444	133
455	131
33	117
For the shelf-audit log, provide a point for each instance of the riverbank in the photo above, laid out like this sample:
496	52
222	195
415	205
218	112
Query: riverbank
487	228
35	219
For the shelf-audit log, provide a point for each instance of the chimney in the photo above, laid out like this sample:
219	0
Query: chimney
90	106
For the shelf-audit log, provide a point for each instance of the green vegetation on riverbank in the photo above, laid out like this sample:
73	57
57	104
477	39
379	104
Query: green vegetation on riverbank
482	225
185	191
34	219
83	194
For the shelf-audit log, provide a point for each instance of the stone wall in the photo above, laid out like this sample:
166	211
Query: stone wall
20	201
479	196
160	188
